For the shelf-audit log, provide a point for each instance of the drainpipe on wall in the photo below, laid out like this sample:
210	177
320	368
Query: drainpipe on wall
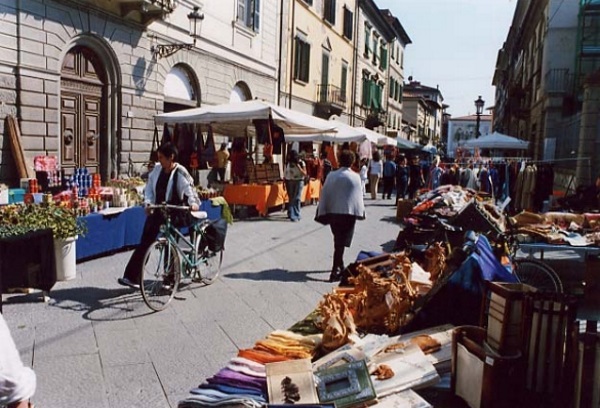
354	65
280	56
291	53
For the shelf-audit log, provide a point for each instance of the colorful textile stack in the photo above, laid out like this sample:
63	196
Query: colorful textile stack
242	382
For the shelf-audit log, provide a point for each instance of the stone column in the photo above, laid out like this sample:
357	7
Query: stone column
589	131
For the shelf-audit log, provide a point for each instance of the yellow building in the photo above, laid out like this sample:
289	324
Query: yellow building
316	57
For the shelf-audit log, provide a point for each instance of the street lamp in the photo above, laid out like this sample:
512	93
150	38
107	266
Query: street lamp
165	50
479	110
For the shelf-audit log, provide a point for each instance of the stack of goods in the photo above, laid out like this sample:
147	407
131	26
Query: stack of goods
353	356
558	228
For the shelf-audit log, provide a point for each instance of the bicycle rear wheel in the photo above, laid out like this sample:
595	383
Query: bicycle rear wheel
539	275
209	262
161	274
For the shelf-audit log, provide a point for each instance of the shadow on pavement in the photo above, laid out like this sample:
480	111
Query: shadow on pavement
279	275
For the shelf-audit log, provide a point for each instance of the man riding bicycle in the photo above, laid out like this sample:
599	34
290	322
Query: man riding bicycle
168	182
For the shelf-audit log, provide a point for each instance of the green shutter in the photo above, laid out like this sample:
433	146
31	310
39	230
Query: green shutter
384	57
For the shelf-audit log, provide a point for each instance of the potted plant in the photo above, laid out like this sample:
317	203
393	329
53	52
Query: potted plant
61	220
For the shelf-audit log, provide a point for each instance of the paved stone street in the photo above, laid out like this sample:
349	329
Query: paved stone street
96	344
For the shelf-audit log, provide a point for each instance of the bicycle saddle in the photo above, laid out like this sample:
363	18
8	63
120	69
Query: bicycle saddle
199	215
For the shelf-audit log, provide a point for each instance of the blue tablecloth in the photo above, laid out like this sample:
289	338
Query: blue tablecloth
113	232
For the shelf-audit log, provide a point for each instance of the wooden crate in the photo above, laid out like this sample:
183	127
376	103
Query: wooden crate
403	208
503	315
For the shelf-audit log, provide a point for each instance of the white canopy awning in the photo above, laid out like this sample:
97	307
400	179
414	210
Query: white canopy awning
344	133
232	119
497	141
382	140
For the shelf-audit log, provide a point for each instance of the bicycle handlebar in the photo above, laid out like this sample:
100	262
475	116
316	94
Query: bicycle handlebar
168	206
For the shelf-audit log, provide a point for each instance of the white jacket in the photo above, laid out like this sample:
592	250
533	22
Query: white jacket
17	382
185	185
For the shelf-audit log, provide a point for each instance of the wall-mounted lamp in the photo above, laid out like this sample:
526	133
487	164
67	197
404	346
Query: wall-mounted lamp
164	50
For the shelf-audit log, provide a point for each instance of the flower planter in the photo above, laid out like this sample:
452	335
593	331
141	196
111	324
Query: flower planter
64	250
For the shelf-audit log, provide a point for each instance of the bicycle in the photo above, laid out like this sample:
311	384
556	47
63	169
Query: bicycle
529	270
166	262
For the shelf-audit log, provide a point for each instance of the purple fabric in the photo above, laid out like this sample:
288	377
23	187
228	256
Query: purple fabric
233	378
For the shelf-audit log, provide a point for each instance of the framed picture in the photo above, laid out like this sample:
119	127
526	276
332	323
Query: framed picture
291	382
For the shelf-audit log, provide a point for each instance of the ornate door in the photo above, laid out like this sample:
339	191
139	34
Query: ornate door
82	110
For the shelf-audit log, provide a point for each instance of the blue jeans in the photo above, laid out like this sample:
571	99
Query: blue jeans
294	190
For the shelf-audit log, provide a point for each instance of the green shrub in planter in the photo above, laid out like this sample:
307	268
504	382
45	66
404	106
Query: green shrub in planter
61	220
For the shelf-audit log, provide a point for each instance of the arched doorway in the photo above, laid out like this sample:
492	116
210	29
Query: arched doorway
83	110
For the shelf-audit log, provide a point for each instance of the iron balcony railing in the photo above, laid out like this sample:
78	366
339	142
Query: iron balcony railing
328	94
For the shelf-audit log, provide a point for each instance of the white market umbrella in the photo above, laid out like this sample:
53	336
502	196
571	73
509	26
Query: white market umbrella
232	119
383	140
497	140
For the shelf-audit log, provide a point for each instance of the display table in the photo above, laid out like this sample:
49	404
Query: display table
265	196
120	228
27	261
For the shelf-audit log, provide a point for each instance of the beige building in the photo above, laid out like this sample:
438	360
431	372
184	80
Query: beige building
316	57
395	75
424	110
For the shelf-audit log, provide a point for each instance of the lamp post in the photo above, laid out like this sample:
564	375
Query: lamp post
165	50
479	110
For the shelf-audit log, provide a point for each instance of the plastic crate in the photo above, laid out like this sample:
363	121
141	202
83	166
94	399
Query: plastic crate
16	195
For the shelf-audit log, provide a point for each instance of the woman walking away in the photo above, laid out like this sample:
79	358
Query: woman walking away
340	205
401	178
294	174
169	182
375	174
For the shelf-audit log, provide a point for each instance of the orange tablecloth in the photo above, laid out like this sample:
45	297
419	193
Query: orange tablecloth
265	196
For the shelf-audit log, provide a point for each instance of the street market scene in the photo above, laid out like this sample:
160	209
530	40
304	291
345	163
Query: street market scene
271	203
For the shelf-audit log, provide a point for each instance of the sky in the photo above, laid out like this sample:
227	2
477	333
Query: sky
455	44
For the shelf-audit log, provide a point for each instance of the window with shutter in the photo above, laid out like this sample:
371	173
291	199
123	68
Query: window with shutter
383	56
367	40
329	11
366	89
392	82
400	90
344	80
248	14
348	22
256	16
301	60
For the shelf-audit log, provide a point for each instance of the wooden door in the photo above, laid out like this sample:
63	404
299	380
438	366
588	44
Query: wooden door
82	111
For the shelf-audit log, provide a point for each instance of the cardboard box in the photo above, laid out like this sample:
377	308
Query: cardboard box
403	208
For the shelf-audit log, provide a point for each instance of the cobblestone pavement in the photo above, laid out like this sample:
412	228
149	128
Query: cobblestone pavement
96	344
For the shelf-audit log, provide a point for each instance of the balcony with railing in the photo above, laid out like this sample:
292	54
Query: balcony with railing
559	81
331	100
139	11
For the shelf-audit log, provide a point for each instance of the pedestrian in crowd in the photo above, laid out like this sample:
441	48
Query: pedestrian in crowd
293	177
401	178
364	175
17	382
375	173
222	158
340	205
435	174
415	178
389	177
169	182
327	166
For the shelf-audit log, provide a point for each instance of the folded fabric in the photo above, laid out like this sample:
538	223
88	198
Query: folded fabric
257	367
228	389
217	395
246	370
261	356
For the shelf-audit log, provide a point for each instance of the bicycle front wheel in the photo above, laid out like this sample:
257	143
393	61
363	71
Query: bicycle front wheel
161	274
209	262
539	275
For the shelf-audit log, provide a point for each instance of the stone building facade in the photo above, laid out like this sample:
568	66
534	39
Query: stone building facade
85	78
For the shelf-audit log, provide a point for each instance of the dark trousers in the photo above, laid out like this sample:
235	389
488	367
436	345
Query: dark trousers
388	186
221	173
401	186
342	228
133	270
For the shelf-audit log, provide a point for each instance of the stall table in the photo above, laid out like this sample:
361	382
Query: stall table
120	228
265	196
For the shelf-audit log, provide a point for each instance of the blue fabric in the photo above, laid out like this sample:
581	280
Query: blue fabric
110	233
294	190
491	268
367	254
